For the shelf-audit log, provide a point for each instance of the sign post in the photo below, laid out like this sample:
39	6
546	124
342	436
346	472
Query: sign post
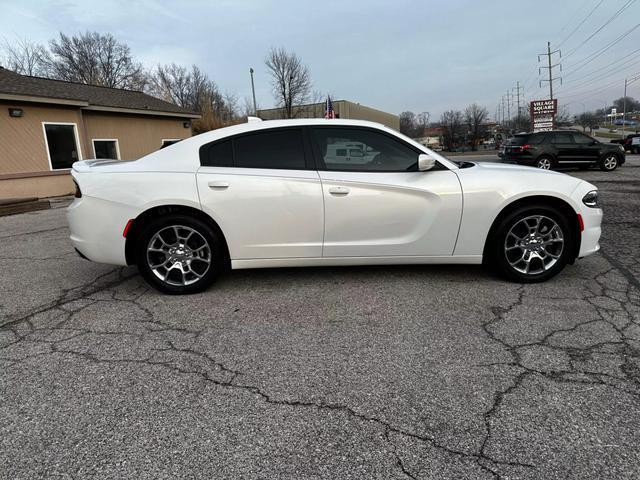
543	114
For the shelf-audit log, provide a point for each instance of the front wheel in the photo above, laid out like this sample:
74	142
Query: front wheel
179	254
609	163
531	244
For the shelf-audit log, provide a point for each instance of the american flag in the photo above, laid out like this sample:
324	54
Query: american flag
329	112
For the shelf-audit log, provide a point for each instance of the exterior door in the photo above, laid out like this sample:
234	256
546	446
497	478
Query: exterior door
384	206
263	193
587	150
564	147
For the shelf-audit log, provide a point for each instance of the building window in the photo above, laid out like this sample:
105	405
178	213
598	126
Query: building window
169	141
63	147
106	148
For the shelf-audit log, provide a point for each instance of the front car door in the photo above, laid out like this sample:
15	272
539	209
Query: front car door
381	205
265	194
587	149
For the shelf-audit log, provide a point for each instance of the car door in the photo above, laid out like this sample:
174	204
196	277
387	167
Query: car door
265	194
587	150
563	146
384	207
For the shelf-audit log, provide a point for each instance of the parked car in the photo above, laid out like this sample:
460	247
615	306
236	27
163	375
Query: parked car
627	143
272	194
548	150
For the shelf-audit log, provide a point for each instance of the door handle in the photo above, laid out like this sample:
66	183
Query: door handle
218	185
339	191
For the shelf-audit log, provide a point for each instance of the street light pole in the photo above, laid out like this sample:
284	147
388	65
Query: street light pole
624	106
253	91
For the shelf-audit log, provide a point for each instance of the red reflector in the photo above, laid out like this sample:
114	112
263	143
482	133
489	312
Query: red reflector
128	226
581	223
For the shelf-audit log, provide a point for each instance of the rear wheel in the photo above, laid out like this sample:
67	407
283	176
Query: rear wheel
609	162
531	244
179	254
545	163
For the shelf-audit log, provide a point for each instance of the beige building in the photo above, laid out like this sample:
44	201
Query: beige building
46	125
342	108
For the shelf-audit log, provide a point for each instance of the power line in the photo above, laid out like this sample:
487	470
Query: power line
593	56
611	19
580	24
571	72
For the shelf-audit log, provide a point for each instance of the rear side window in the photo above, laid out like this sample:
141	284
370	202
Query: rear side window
272	149
562	138
531	139
280	149
219	154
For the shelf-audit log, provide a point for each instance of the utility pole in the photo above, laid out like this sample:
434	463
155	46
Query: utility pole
550	68
508	106
253	91
627	81
518	92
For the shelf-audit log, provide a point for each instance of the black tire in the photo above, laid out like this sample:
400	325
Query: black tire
545	163
502	261
609	162
191	256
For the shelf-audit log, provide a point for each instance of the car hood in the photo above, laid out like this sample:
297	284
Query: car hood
510	167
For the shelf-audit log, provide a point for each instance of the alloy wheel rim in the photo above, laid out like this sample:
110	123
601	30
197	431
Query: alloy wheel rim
534	244
544	164
179	255
610	162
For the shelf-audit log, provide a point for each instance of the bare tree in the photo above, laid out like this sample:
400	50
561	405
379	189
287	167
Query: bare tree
291	80
475	115
94	59
25	57
451	120
407	123
588	120
194	90
413	125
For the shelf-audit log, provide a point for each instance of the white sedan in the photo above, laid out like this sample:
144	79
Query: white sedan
324	192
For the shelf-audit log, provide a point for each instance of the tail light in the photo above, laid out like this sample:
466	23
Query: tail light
78	193
523	148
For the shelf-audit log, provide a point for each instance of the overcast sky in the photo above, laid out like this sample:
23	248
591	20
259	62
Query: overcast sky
392	55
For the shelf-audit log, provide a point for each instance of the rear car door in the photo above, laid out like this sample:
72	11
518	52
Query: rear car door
563	146
264	192
382	205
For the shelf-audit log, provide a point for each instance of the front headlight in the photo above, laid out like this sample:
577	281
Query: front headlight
621	147
591	199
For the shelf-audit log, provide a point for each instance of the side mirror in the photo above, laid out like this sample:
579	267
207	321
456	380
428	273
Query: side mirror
426	162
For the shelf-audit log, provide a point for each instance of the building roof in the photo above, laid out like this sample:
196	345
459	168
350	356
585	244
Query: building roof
14	86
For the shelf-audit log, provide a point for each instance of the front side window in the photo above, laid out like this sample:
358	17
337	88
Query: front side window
282	149
62	145
106	149
368	150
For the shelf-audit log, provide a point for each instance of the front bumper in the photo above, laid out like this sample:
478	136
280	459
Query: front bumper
96	229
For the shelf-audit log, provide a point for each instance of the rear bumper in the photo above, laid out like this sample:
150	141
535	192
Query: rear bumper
96	229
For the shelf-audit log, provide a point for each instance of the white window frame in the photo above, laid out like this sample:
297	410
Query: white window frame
93	144
169	140
46	143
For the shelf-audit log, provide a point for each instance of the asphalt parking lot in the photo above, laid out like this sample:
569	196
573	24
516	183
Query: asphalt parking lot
382	372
